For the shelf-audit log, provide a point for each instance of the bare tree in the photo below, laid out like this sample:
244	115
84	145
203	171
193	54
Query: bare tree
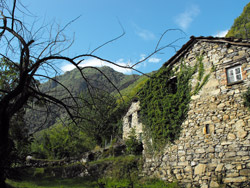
27	54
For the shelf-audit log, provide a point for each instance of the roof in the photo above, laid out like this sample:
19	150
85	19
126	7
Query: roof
193	40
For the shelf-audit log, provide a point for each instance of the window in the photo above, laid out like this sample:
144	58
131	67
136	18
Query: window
207	130
140	137
130	121
172	85
138	115
234	74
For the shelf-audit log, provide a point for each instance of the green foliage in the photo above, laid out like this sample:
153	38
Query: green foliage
165	99
133	145
241	26
201	67
20	140
122	172
52	182
125	183
8	75
73	81
164	103
60	141
201	80
131	91
101	116
246	98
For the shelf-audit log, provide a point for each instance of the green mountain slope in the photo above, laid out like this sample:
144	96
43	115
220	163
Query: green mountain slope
105	79
241	26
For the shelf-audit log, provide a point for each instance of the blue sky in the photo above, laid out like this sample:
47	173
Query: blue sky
144	21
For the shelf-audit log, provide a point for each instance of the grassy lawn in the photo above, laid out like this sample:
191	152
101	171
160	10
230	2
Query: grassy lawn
52	183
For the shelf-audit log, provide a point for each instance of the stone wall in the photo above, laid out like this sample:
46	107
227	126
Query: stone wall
131	121
214	145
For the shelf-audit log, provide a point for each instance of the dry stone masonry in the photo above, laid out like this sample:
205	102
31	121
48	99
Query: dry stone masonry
131	121
214	145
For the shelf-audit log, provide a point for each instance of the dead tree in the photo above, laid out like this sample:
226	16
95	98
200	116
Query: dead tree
24	52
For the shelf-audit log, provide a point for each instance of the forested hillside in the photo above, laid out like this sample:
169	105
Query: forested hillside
241	26
105	79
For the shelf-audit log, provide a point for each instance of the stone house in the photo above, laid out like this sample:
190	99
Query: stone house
131	121
214	144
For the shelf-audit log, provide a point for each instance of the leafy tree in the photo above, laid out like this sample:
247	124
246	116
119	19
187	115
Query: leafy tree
241	26
61	141
103	116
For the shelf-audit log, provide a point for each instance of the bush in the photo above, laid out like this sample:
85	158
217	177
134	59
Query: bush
246	98
134	146
60	141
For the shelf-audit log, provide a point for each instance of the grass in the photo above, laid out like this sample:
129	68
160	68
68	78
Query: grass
124	171
52	183
85	183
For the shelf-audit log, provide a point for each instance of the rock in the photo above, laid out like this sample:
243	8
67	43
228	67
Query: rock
214	184
221	105
215	92
194	97
243	153
210	149
241	133
235	180
225	117
229	166
231	136
219	167
245	172
200	150
188	169
200	169
239	124
230	154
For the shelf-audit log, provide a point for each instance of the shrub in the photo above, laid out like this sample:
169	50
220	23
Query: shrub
246	98
134	146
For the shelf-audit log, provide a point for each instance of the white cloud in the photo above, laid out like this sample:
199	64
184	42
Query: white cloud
221	33
154	60
144	34
184	19
98	63
142	57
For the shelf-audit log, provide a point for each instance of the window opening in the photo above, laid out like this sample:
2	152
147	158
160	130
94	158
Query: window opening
140	137
130	121
207	129
234	74
138	115
172	84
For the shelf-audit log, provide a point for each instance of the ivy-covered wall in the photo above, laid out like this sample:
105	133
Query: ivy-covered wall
213	146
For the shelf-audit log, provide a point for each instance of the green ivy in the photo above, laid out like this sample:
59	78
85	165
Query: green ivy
163	106
201	68
246	97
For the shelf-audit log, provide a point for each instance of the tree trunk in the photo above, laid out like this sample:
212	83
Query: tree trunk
4	132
